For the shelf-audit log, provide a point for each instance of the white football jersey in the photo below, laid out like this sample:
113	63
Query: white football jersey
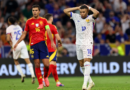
15	31
84	29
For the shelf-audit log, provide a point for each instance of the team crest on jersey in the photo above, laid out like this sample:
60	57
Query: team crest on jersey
87	20
37	25
41	23
32	23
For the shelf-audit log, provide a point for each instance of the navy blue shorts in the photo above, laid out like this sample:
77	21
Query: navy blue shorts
53	56
39	51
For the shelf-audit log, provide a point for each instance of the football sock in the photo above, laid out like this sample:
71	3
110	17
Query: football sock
49	72
31	69
54	72
86	72
90	79
46	71
19	70
39	75
82	69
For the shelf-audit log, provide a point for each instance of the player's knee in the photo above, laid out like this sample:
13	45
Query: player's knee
87	60
37	65
46	65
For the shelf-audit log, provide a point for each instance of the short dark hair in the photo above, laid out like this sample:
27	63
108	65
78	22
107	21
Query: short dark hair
84	7
36	6
12	20
48	15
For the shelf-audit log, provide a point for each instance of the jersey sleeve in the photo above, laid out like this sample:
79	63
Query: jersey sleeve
74	15
8	31
91	18
55	30
27	26
46	24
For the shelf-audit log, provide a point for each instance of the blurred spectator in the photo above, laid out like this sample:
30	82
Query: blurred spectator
1	21
11	5
64	53
49	6
111	37
59	25
99	38
125	22
121	37
100	23
119	5
118	50
128	10
27	12
3	35
128	30
22	4
69	26
57	13
22	18
1	44
71	3
112	20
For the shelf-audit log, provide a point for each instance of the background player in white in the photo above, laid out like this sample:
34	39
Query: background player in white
84	39
14	32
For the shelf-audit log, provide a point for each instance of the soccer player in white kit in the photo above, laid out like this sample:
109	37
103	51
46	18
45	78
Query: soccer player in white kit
14	32
84	39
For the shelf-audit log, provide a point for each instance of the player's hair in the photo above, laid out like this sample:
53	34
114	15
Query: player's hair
84	7
48	15
36	6
12	20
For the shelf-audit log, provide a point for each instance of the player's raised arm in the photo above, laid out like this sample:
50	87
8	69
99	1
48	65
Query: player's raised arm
95	12
68	10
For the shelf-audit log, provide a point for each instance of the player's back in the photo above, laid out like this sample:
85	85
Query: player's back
15	31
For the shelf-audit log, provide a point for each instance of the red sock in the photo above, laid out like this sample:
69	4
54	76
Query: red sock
46	71
54	72
49	72
39	75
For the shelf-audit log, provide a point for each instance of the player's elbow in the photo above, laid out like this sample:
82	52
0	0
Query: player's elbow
97	13
65	11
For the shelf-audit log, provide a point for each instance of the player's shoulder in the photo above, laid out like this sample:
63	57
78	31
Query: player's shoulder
54	26
42	18
10	27
29	19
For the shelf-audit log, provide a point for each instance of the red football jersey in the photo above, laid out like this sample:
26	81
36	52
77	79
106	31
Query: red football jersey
36	29
53	31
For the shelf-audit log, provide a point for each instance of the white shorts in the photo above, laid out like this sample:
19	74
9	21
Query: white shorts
20	51
84	51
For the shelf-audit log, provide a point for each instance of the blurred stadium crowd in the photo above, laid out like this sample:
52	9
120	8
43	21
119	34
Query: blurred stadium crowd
112	25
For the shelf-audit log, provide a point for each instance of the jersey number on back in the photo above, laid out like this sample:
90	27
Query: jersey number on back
17	34
83	28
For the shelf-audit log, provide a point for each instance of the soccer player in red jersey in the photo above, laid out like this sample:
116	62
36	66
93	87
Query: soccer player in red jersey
53	52
36	26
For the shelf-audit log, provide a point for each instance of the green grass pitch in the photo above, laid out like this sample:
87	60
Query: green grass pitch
71	83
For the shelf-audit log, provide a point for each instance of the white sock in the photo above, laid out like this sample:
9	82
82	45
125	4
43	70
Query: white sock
90	79
83	69
86	72
19	69
31	69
